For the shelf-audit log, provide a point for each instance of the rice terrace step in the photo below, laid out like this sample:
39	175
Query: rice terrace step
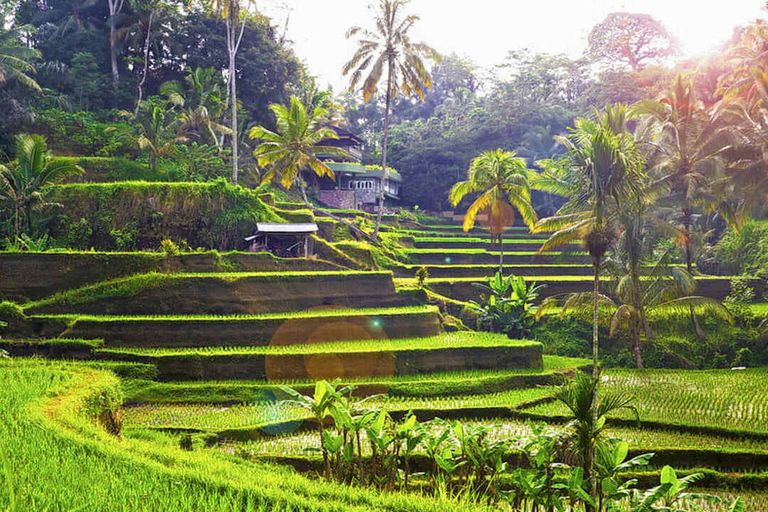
317	325
224	294
351	359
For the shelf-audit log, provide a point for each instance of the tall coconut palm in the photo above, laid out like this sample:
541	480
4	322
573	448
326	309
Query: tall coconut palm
663	289
293	148
503	180
235	18
600	170
15	59
389	48
692	146
25	183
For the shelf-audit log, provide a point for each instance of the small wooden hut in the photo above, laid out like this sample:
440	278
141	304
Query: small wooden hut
283	240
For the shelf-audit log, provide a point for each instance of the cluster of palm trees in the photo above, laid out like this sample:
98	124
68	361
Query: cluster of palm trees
634	175
188	111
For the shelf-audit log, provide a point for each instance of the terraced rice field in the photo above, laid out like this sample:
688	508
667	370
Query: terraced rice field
217	417
295	443
727	399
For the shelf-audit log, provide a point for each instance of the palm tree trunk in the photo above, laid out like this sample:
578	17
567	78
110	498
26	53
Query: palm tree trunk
387	104
501	254
146	59
596	375
115	6
689	266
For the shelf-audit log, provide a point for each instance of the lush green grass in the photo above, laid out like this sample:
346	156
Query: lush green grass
326	313
59	459
726	399
443	341
456	240
52	343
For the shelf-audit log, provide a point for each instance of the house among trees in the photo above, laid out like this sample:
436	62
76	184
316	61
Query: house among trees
355	186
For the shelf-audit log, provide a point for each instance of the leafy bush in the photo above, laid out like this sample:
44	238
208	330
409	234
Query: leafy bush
422	274
139	215
738	301
508	307
745	252
79	133
169	248
79	235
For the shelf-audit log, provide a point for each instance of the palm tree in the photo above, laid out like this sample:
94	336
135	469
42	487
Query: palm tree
389	47
154	130
691	144
585	433
504	182
15	58
600	171
663	289
25	183
293	148
231	12
201	105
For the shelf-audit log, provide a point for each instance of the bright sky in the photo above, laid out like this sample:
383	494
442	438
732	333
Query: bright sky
485	30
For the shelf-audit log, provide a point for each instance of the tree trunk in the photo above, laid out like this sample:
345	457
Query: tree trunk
234	16
689	266
146	59
326	460
115	6
501	254
596	375
384	150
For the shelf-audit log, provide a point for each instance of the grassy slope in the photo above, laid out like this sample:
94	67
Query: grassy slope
62	461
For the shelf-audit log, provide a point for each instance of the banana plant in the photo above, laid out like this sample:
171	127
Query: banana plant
319	405
671	495
411	437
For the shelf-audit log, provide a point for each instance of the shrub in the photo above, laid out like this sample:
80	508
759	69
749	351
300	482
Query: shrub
140	215
79	235
739	299
422	274
743	252
169	248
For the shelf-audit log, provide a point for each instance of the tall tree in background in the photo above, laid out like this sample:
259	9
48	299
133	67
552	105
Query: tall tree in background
15	58
231	12
601	170
631	39
691	145
115	8
389	48
504	181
